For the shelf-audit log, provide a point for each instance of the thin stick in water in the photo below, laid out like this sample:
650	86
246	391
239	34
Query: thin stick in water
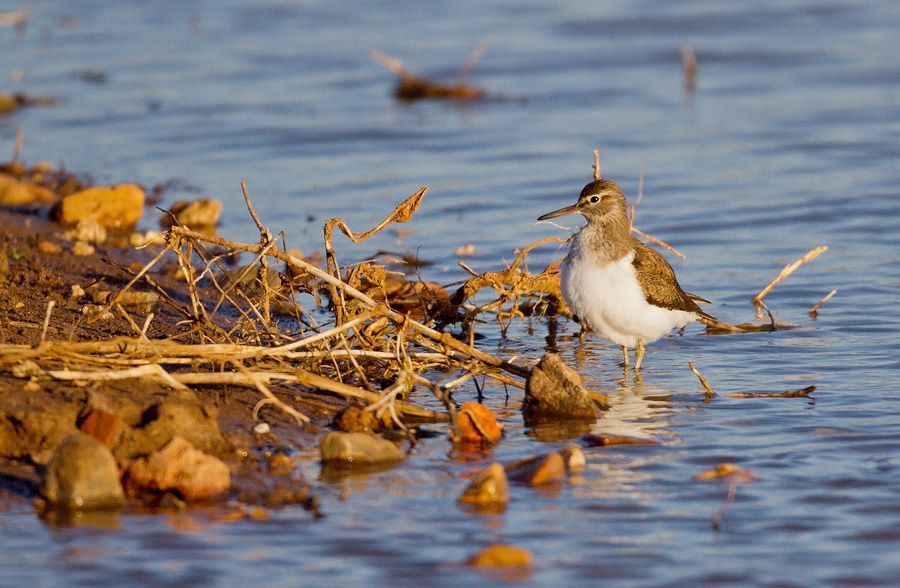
801	393
689	61
788	270
710	393
815	309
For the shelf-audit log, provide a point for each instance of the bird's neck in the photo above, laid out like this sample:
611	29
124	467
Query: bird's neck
607	239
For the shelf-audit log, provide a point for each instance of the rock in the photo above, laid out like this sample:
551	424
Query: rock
30	429
82	249
162	421
111	206
554	391
476	424
203	213
488	488
181	468
15	192
89	231
358	449
499	555
49	247
103	426
593	440
538	470
82	474
574	458
354	419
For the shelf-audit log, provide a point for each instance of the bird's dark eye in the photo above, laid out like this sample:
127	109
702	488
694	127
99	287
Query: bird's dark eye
595	199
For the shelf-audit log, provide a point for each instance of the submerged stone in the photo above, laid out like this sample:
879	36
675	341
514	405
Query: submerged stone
358	449
538	470
488	488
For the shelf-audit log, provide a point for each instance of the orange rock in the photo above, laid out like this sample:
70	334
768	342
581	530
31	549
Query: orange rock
476	423
488	488
49	247
102	426
15	192
500	555
354	419
180	467
111	206
538	470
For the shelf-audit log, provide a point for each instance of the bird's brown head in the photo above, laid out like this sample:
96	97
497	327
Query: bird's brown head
600	200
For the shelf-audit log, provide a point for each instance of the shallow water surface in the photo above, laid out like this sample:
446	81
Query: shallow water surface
790	141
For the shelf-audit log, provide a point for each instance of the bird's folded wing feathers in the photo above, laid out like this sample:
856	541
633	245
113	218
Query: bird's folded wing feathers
658	281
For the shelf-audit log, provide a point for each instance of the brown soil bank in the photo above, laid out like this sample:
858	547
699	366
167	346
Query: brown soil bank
133	419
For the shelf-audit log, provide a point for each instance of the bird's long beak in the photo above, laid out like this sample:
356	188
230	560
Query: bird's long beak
562	211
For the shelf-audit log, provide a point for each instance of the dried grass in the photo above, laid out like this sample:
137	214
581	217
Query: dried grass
231	333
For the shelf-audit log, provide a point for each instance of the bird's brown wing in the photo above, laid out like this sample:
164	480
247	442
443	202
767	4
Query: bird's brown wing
658	281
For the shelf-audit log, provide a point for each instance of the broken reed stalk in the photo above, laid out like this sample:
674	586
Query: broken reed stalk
257	365
444	339
788	270
597	175
46	324
689	62
152	370
473	58
632	211
815	309
710	393
392	64
270	398
659	242
15	18
20	141
729	498
801	393
401	214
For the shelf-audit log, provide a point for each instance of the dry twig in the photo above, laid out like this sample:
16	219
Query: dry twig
801	393
788	270
710	393
815	309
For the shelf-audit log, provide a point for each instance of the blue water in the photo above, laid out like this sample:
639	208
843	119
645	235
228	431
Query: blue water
791	140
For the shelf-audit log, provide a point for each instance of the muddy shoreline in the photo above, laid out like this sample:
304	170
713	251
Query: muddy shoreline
37	414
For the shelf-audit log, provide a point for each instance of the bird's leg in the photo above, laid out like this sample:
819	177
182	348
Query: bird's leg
625	355
638	355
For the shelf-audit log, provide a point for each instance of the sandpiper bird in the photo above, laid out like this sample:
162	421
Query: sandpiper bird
614	284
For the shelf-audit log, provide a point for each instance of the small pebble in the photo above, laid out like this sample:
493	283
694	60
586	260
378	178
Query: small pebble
262	428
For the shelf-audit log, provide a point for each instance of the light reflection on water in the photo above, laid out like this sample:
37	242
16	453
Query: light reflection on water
789	142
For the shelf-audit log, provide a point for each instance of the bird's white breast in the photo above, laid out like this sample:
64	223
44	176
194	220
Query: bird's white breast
609	300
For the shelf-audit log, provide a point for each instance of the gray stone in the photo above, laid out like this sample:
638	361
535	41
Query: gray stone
82	474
